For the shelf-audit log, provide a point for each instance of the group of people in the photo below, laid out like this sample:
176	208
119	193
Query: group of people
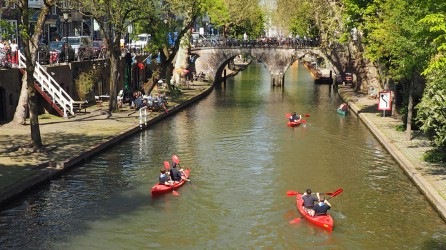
174	175
320	208
139	100
9	51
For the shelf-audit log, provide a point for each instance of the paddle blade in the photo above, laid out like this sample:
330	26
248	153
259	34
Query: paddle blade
303	121
337	192
295	221
175	159
166	164
307	115
287	115
291	193
175	193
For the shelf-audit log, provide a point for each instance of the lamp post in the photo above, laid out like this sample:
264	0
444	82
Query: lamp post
66	15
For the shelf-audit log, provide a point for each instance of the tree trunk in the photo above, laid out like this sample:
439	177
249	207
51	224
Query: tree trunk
114	78
409	112
21	110
36	139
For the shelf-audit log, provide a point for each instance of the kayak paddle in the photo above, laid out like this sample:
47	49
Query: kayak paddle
297	220
175	159
294	193
166	164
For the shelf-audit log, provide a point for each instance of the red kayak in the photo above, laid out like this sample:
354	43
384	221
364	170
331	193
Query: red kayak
324	221
161	189
294	124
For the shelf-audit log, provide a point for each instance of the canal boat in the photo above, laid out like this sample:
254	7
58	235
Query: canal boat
162	189
324	221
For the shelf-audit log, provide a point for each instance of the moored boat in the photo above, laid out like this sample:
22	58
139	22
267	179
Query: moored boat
324	221
161	189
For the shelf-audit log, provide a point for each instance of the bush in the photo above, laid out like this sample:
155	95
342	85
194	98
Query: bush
85	84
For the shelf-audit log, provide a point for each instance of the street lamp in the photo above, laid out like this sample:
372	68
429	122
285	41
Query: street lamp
66	15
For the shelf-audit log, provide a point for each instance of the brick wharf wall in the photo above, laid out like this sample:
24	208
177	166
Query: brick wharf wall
65	75
10	85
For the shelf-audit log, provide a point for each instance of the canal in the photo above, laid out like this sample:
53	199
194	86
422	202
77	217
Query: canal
243	160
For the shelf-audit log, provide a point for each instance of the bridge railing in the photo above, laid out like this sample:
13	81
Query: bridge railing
259	43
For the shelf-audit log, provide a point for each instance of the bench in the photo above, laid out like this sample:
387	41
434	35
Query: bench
78	106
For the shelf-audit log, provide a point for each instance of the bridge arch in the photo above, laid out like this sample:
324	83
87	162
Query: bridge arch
277	60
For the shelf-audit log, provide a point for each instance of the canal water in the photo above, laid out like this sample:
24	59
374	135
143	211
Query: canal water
243	160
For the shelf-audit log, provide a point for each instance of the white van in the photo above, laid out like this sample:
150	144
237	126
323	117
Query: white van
140	41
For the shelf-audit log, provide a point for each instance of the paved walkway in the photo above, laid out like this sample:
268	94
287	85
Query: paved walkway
430	178
70	141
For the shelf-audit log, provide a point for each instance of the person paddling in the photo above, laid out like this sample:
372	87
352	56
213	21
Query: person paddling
309	201
163	178
321	207
175	174
294	117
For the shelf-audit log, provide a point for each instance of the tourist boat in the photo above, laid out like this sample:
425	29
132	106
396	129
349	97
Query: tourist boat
324	221
294	124
161	189
341	112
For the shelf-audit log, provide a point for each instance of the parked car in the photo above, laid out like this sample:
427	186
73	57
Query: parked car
43	55
58	51
82	45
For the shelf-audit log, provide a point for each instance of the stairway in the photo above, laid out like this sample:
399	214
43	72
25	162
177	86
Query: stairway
50	90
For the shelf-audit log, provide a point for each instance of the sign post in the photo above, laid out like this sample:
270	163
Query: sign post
385	101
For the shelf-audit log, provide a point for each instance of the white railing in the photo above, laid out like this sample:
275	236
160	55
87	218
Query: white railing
49	85
142	116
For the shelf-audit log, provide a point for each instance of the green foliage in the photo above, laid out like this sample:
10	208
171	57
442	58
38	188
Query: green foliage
432	108
435	156
7	30
85	84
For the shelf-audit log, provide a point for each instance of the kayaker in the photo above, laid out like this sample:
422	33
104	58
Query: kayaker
294	117
175	174
163	179
321	207
309	201
343	107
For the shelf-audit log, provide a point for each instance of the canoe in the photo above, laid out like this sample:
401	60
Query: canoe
293	124
161	189
324	221
341	112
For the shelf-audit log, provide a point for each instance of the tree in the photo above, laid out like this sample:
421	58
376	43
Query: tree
431	109
30	43
396	40
113	17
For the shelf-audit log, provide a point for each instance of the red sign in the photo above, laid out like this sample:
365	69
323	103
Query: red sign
385	100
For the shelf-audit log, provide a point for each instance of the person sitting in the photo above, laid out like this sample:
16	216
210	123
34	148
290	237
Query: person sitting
321	207
163	178
343	107
309	201
294	117
175	174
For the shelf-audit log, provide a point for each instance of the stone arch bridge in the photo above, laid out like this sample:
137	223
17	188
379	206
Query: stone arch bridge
277	60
